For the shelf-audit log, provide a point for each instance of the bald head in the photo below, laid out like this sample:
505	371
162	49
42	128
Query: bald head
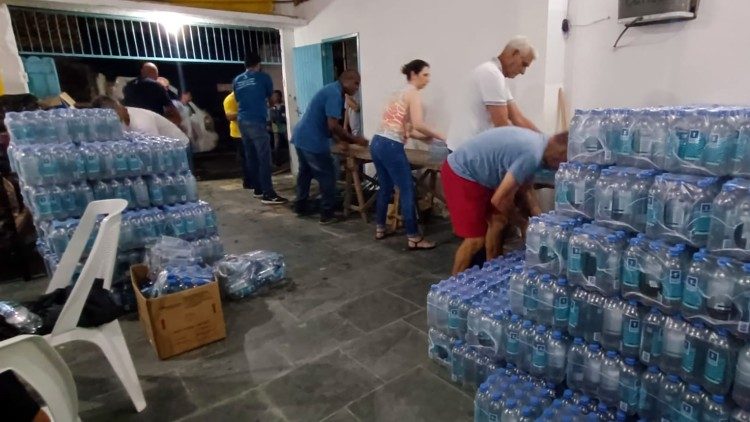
350	81
163	82
150	71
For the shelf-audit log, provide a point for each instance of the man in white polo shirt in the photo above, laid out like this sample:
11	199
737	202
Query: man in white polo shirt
485	100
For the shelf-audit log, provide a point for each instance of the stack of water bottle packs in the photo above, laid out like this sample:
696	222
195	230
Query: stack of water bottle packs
66	158
634	293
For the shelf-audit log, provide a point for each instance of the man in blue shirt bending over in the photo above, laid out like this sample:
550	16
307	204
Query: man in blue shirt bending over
312	140
252	90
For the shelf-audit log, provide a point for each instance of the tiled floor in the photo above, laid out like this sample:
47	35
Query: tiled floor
345	341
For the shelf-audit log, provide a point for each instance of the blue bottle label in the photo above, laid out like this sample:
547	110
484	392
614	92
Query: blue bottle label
688	357
134	162
47	166
716	155
703	222
672	289
493	417
561	196
457	367
539	356
157	195
573	314
631	334
92	164
686	412
716	363
574	261
121	162
629	396
692	146
453	319
692	296
511	346
631	273
43	205
561	310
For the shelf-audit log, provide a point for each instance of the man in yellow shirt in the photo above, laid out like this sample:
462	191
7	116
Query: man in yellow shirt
230	110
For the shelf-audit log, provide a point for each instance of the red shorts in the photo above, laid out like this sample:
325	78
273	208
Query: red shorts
468	202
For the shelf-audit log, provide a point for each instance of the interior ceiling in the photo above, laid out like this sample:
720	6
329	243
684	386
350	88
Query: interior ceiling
247	6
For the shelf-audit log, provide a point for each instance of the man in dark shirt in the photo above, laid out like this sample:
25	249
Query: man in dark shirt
146	92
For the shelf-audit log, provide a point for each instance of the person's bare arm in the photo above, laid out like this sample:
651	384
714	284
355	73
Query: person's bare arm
518	119
530	199
416	118
342	135
503	199
498	115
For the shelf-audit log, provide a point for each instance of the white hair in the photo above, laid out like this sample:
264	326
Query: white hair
522	44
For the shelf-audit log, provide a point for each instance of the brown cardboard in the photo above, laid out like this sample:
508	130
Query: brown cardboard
182	321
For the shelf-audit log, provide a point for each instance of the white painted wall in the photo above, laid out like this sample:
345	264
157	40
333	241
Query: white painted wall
699	61
452	36
14	77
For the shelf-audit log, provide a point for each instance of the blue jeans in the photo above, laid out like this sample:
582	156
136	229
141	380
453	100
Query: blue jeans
318	166
394	170
257	146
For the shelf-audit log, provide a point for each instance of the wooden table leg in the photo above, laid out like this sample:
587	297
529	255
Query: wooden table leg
348	191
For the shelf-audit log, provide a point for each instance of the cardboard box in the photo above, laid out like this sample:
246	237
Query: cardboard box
182	321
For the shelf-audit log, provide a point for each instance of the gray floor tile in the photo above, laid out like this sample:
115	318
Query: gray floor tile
414	289
250	407
416	396
315	298
418	320
218	377
375	310
319	388
314	337
166	399
390	351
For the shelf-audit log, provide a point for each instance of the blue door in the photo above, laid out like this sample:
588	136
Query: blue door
308	74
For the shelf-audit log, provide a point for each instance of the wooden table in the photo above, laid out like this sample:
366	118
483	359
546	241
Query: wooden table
357	155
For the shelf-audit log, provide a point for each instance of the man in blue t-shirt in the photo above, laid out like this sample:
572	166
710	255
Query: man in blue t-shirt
488	179
312	140
252	89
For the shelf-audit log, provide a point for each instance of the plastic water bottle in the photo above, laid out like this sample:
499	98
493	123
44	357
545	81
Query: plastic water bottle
721	359
481	403
693	295
630	385
694	353
691	403
612	324
191	187
631	329
530	293
516	290
673	339
669	397
632	268
439	348
171	194
609	388
458	361
715	408
495	411
687	141
511	413
594	316
574	371
557	351
719	291
720	142
730	223
140	193
527	340
545	300
741	156
650	132
539	357
649	403
652	337
673	277
561	304
592	370
576	314
740	415
741	388
513	341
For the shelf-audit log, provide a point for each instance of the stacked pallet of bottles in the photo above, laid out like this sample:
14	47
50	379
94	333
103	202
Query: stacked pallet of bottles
635	293
66	158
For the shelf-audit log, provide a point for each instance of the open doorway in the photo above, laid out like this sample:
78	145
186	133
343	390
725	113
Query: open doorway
338	55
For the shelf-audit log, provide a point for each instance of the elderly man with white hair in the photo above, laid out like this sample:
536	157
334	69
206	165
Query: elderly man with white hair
485	100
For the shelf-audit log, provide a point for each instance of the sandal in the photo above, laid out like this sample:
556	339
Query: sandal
421	244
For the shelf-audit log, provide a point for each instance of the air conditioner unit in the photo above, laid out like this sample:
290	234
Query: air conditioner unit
647	12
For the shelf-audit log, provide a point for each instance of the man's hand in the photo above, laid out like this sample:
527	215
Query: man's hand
361	141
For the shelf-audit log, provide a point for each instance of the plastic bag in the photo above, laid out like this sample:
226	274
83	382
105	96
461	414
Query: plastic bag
176	279
20	317
170	252
249	274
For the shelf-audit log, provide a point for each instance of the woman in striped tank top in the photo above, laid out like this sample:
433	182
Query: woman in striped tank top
403	118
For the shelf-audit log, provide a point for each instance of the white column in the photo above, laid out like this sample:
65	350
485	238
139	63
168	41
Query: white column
14	76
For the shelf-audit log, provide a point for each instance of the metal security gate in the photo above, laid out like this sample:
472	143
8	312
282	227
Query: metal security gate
59	33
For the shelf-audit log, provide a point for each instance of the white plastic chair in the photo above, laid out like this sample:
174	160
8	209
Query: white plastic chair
99	264
32	359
